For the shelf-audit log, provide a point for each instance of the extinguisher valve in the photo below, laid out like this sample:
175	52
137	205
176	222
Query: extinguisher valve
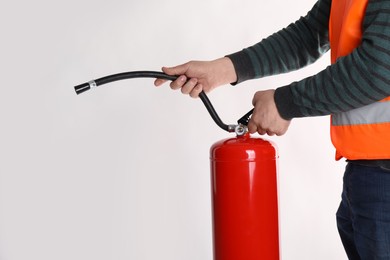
241	129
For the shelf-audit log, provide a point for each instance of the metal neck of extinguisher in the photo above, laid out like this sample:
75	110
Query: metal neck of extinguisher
240	128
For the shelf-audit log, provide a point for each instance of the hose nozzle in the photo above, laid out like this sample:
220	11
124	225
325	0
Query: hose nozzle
85	86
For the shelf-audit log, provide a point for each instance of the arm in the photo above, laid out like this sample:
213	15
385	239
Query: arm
355	80
282	51
294	47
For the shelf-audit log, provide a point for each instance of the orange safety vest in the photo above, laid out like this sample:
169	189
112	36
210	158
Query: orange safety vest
362	133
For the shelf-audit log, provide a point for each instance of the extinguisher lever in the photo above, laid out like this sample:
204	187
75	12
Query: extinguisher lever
245	119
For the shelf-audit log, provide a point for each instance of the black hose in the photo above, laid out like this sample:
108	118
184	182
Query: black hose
120	76
149	74
212	112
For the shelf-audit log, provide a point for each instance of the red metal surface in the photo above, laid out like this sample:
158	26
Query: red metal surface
245	202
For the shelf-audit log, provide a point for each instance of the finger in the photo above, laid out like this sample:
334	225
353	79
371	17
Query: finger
270	133
196	90
261	131
252	127
177	84
177	70
159	82
281	132
189	86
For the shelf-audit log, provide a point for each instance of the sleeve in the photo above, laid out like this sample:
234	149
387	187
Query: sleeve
358	79
299	44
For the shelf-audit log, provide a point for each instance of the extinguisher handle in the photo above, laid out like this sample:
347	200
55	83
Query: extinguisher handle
245	119
152	74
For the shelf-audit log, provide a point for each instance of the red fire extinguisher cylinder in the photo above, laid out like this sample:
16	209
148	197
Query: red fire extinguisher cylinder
244	199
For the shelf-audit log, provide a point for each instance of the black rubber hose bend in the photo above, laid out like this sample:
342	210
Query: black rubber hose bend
150	74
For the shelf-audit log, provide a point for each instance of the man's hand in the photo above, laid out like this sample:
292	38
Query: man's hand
266	118
195	76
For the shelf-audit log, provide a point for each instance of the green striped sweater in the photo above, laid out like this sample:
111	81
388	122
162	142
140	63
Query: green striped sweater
358	79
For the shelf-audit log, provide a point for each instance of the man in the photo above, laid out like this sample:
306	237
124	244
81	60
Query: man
354	90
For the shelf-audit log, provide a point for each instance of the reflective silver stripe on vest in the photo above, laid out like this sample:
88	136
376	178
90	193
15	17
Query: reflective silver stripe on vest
378	112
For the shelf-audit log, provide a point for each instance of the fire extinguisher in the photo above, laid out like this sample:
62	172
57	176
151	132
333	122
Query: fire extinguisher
243	185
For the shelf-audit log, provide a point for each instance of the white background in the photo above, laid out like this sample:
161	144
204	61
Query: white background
123	172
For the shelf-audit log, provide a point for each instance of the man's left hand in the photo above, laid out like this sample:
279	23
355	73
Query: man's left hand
266	118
